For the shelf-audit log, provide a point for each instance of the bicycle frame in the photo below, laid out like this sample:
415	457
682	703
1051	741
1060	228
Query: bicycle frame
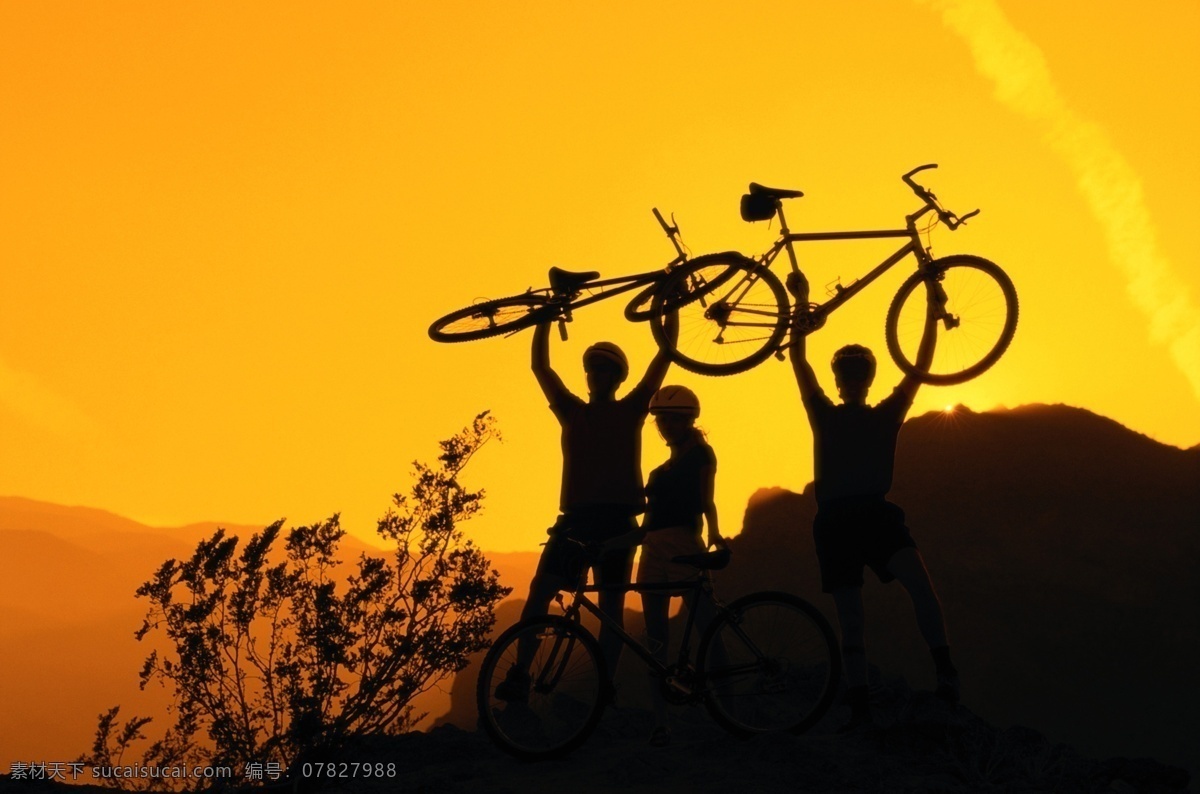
844	293
818	312
697	589
627	283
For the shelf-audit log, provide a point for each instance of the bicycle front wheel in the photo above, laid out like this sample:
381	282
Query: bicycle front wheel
488	318
733	314
981	307
551	706
769	663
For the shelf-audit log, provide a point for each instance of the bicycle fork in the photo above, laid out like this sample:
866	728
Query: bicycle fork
939	299
556	663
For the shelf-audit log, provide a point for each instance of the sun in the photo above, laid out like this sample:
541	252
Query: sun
949	409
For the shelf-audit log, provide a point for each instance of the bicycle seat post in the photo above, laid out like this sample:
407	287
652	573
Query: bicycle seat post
784	232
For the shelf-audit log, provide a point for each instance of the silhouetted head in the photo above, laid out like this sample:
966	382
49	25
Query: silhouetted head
675	409
853	372
606	368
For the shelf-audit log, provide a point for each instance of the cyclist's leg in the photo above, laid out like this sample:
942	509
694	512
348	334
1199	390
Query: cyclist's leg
890	551
550	577
851	620
908	567
836	531
705	614
614	568
656	609
849	605
656	604
655	567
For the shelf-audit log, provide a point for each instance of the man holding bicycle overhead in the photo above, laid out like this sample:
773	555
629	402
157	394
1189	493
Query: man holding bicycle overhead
602	487
854	449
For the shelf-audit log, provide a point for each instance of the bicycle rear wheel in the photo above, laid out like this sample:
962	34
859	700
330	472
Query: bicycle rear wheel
769	664
488	318
733	314
982	302
563	700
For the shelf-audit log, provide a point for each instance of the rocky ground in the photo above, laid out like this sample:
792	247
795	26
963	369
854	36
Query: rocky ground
918	744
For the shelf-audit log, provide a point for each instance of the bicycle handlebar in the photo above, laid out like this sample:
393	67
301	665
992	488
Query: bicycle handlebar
947	217
908	177
672	231
921	192
661	221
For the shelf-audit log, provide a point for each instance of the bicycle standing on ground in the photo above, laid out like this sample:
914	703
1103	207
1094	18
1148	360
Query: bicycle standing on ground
767	662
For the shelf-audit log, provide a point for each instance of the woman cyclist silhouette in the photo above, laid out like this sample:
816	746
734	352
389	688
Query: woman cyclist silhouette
679	496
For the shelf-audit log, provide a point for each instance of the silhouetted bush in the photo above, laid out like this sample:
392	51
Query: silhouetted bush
274	659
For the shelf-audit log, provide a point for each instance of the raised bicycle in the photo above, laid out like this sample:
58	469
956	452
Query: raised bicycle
732	320
570	290
767	662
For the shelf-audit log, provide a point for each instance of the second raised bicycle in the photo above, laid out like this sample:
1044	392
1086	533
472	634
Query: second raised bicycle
733	319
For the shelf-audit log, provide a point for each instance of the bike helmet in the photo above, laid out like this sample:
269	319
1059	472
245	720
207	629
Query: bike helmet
609	352
675	400
854	362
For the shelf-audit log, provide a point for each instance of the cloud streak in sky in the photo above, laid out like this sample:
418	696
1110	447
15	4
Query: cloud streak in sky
1022	82
25	396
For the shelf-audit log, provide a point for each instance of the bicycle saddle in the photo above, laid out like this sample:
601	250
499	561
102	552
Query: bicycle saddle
708	561
774	192
760	203
568	280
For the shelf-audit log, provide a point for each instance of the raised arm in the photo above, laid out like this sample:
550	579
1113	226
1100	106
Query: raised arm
806	379
547	378
910	384
657	371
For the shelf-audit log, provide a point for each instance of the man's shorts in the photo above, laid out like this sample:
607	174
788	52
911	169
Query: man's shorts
567	560
855	531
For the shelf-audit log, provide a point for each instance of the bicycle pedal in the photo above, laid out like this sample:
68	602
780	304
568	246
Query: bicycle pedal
681	688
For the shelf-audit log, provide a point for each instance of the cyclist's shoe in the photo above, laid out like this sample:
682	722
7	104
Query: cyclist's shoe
859	700
514	688
661	736
948	689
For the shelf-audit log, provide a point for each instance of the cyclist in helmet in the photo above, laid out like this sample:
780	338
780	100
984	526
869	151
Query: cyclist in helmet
680	502
601	484
854	449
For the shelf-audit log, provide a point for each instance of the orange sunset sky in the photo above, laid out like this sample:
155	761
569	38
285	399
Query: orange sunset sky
225	227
